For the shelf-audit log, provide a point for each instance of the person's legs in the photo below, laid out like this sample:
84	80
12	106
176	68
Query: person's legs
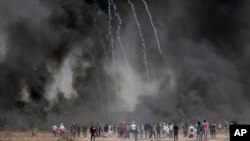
154	135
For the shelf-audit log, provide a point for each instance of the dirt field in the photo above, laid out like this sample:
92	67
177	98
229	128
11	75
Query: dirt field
26	136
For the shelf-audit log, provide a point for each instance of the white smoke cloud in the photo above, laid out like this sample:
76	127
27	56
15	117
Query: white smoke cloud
3	49
25	94
64	78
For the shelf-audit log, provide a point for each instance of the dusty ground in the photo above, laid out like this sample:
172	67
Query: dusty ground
26	136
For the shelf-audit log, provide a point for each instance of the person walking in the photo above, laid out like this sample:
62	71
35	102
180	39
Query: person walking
176	129
92	132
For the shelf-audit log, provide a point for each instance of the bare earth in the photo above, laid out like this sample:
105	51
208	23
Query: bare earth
26	136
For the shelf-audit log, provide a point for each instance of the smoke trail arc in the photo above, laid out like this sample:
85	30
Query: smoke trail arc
118	33
153	25
110	30
141	36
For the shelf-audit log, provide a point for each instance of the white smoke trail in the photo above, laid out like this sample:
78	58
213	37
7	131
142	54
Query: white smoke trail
153	25
118	33
98	81
110	30
142	38
97	70
100	35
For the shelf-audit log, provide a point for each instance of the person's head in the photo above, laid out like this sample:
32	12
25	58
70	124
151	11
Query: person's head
175	123
205	120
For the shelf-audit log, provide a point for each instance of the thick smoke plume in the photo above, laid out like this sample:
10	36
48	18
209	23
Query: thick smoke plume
56	62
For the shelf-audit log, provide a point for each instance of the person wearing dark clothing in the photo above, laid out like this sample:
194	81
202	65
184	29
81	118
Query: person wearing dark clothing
92	132
199	131
78	130
152	131
176	129
106	129
213	130
141	128
136	132
146	129
185	129
73	129
158	130
84	130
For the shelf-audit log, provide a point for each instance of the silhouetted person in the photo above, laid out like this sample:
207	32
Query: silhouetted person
98	129
185	129
84	130
158	130
213	130
92	131
152	130
136	133
176	129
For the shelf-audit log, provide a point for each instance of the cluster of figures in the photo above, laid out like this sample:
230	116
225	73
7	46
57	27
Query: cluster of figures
200	130
74	130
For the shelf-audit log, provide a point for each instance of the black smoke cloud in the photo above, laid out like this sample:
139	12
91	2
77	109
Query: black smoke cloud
38	33
206	47
201	73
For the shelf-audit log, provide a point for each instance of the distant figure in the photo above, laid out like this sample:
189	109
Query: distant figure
176	129
84	130
98	129
61	129
133	128
226	128
114	129
185	129
73	130
219	127
191	132
167	131
213	130
92	131
119	130
199	131
205	126
106	129
110	131
171	128
153	130
164	129
158	130
136	132
141	130
34	132
54	130
127	130
146	129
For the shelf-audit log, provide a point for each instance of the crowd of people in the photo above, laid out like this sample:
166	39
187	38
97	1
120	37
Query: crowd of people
199	130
